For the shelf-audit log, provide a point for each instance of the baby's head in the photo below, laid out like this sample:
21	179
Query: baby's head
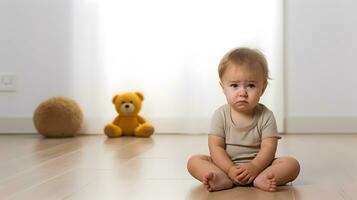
245	57
244	75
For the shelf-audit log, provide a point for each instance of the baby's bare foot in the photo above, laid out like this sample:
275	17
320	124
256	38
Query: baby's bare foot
214	182
266	182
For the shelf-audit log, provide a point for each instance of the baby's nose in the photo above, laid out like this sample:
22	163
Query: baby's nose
243	93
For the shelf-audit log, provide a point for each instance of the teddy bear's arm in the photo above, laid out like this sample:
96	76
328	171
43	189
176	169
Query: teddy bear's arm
116	120
141	119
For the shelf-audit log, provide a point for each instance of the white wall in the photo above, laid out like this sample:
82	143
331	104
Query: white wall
170	50
321	66
45	45
87	50
36	45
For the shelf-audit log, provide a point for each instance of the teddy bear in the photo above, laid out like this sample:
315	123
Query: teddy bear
128	122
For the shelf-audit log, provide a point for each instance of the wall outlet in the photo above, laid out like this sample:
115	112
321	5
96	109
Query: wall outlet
8	83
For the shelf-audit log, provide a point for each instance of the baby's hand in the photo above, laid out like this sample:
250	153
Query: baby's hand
234	172
249	172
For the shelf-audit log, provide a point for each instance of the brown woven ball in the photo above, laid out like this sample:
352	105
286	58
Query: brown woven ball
58	117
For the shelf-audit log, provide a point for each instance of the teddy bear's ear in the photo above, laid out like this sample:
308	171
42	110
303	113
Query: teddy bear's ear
140	95
114	98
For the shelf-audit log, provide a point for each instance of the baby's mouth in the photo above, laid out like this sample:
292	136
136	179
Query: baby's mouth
242	101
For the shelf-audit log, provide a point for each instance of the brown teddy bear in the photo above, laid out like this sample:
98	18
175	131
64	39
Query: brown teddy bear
128	122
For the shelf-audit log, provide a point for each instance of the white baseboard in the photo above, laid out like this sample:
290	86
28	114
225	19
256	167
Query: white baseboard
24	125
321	125
16	125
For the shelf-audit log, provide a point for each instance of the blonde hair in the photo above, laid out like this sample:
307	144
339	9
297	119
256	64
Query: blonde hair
244	57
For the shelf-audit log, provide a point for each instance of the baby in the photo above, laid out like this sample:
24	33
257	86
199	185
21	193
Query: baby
243	137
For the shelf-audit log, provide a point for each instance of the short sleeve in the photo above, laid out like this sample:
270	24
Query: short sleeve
269	127
217	123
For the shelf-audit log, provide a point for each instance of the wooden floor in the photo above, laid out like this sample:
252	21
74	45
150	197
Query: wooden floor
94	167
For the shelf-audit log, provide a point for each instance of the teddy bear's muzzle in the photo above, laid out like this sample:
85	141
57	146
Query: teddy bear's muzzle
127	108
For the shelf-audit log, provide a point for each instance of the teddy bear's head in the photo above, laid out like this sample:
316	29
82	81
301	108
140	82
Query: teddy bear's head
128	104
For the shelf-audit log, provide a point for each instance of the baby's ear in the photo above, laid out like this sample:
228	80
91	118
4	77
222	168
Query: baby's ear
114	98
140	95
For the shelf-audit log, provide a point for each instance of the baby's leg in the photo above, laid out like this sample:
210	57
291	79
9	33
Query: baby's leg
203	169
280	172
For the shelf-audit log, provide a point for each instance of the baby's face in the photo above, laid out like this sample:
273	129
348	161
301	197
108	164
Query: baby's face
243	86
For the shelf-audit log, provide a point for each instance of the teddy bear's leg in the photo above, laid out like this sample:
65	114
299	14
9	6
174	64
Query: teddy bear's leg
144	130
112	130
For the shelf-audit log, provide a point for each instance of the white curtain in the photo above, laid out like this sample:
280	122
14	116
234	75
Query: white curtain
169	50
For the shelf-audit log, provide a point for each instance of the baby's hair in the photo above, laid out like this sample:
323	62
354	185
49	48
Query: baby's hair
244	57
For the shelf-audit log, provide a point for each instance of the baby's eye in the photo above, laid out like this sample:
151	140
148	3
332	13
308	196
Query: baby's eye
234	85
251	86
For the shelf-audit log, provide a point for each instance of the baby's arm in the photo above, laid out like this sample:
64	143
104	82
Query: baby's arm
266	153
264	158
220	157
